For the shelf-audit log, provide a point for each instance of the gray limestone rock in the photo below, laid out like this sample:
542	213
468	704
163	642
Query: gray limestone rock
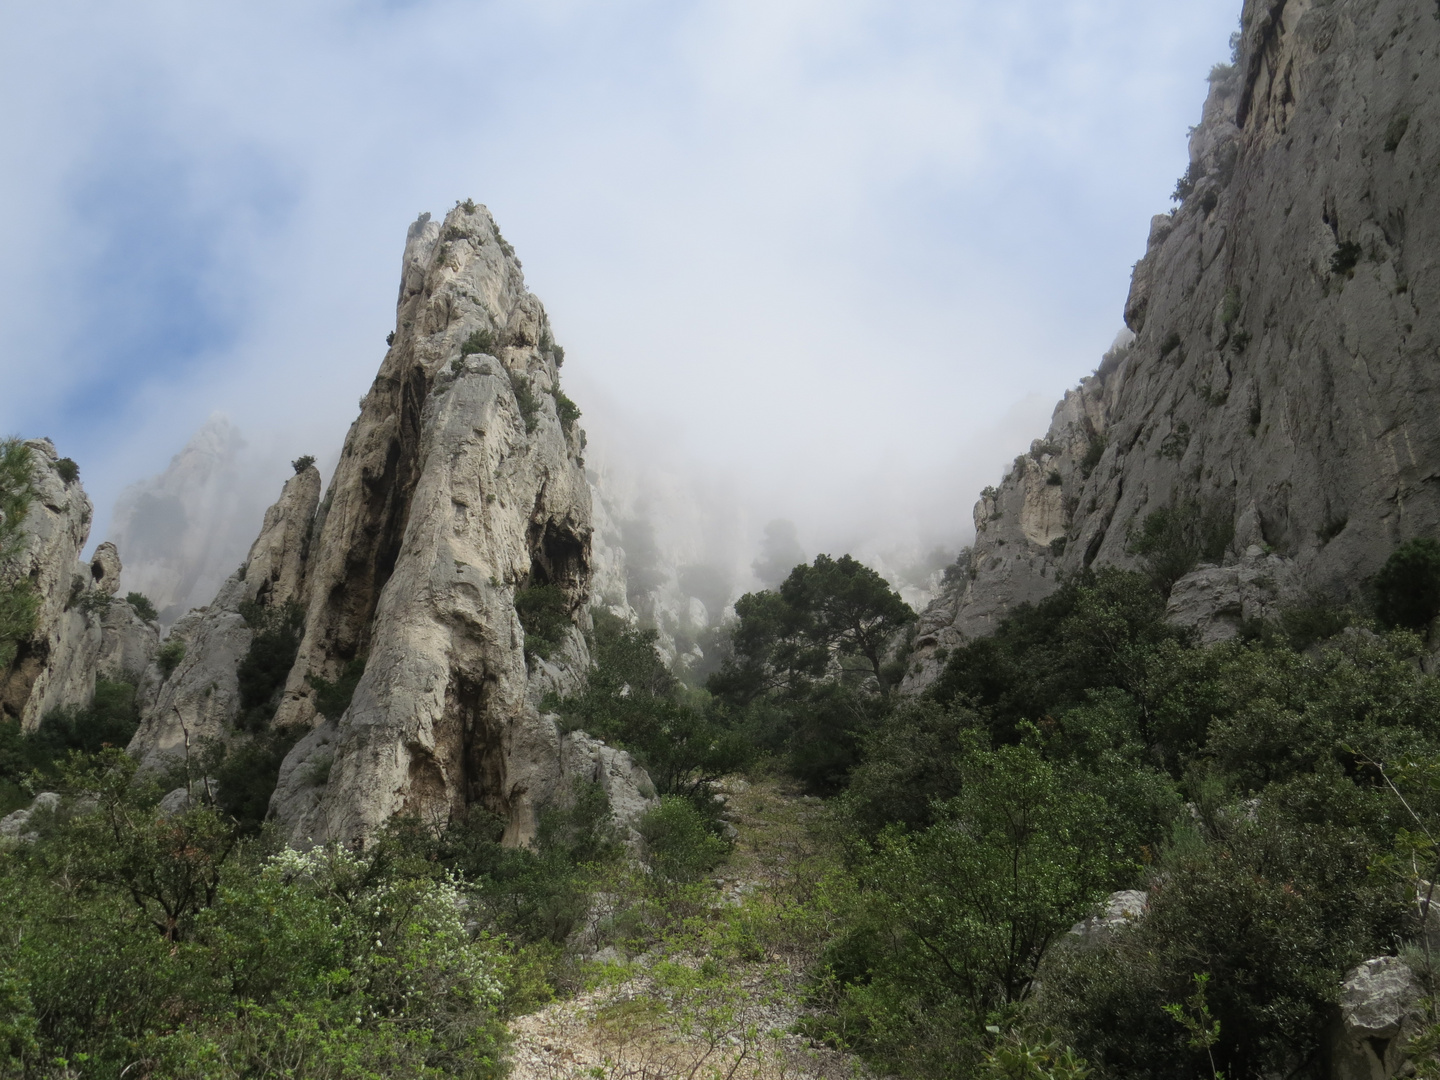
82	631
1283	375
1379	1011
15	826
198	701
1122	909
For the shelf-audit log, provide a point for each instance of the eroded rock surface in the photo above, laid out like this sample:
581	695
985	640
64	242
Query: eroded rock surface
1283	374
82	631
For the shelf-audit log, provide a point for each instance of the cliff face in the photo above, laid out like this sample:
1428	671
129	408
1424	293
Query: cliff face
460	486
1283	380
81	630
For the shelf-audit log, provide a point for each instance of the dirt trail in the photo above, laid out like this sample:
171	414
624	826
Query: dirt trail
678	1011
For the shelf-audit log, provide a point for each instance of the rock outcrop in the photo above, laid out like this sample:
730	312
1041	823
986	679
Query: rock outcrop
82	630
460	486
198	700
1379	1011
1282	381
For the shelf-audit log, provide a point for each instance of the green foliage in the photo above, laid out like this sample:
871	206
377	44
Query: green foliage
566	410
1407	588
110	719
169	944
333	698
1019	1058
633	700
679	845
19	603
142	606
274	644
1169	343
246	772
810	664
1346	258
544	613
1174	445
1093	453
303	462
169	656
481	341
526	401
1230	309
1174	539
67	470
959	916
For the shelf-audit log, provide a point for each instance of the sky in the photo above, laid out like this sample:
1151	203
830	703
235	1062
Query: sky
843	254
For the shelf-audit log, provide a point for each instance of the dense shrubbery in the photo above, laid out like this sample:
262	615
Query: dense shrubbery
634	700
811	667
1085	747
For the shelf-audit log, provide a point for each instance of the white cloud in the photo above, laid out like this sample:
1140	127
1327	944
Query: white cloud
830	246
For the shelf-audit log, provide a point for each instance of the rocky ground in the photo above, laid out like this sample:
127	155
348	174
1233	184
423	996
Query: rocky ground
721	995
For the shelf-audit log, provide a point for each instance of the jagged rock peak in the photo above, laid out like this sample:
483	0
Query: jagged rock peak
81	631
460	485
1282	381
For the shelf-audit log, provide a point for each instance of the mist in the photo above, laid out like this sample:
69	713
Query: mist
827	264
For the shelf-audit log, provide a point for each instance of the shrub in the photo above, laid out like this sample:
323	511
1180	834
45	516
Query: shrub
169	657
525	401
274	644
333	698
246	772
1169	343
679	846
303	462
141	605
1407	588
481	341
1174	445
1230	309
1345	258
1173	539
1093	453
68	470
566	410
110	719
544	613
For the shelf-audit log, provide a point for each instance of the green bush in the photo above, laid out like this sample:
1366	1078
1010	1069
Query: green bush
19	603
679	846
303	462
274	644
566	410
544	613
1407	588
1174	539
525	401
68	470
169	657
1094	451
1346	258
634	701
333	698
481	341
142	606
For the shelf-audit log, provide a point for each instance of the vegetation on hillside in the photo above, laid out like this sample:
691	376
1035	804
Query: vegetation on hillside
1253	788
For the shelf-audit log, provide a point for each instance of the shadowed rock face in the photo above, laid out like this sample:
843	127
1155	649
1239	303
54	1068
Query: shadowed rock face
1284	372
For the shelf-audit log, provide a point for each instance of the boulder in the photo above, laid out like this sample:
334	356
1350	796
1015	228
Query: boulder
1122	909
1378	1012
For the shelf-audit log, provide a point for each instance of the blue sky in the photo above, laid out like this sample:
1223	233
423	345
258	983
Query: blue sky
846	253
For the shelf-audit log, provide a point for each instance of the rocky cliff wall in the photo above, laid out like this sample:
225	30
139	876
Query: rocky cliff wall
461	485
82	631
1283	379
